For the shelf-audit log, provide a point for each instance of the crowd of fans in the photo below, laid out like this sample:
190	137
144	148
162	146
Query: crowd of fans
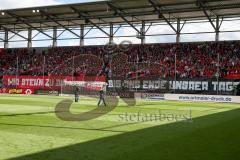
191	60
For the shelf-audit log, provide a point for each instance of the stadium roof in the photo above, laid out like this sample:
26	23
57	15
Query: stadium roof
117	12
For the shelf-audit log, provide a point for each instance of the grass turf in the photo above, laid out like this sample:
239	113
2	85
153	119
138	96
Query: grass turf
29	130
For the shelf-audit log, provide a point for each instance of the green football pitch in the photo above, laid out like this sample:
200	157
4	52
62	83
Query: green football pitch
30	130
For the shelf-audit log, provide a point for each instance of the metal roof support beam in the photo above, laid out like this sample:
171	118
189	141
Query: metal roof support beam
178	30
88	20
88	31
9	38
119	12
143	33
54	37
217	29
61	33
111	34
161	15
2	39
117	29
40	31
15	33
6	39
148	28
23	21
220	23
35	35
18	34
203	7
29	45
82	35
55	21
183	26
185	10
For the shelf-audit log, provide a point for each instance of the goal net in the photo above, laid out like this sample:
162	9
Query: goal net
83	87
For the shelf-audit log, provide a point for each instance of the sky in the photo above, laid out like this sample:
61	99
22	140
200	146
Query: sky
11	4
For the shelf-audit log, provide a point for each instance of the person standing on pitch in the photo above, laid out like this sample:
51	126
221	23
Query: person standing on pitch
238	90
101	98
76	94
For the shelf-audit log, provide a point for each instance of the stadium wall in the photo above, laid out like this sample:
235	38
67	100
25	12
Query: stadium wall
202	98
189	97
185	86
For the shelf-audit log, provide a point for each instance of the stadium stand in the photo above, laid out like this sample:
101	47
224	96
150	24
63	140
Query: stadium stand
194	60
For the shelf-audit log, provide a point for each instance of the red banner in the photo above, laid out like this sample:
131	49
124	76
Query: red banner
233	76
43	82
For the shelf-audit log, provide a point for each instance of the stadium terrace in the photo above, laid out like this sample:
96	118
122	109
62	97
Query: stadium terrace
119	79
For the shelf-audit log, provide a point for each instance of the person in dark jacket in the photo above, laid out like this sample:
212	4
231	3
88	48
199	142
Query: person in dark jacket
76	93
238	89
101	98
